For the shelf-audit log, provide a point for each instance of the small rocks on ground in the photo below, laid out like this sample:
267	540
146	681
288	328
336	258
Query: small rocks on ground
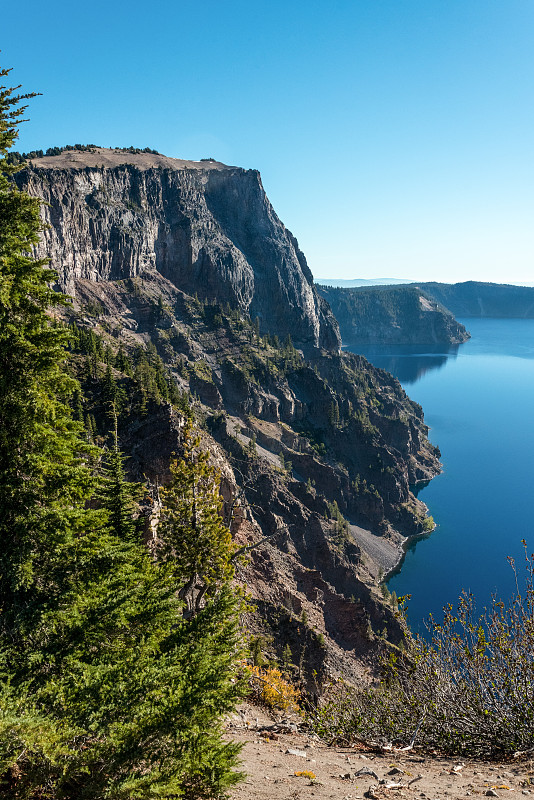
366	771
294	752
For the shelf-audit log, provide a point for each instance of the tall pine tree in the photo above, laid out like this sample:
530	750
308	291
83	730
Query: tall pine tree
117	495
106	691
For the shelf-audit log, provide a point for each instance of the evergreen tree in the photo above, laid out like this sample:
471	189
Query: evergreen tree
87	369
91	434
106	690
77	405
95	367
257	328
109	387
191	529
40	471
122	362
94	427
333	414
117	495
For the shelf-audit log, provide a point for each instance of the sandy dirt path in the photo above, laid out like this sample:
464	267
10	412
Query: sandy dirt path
274	753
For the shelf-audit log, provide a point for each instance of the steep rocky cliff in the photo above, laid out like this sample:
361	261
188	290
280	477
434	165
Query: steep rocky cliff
317	459
317	449
208	228
404	315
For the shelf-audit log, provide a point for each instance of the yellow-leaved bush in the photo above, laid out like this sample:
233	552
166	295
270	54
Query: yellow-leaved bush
270	688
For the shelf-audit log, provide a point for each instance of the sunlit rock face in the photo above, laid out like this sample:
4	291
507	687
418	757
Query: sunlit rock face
398	315
207	227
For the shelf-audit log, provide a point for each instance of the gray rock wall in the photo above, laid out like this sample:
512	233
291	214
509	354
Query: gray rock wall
210	229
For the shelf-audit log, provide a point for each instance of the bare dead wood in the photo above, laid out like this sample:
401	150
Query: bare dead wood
521	753
247	547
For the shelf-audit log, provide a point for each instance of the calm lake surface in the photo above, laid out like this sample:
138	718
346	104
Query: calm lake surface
478	400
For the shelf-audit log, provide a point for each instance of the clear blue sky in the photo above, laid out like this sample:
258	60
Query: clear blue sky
394	137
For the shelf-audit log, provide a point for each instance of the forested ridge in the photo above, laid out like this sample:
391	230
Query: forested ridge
392	314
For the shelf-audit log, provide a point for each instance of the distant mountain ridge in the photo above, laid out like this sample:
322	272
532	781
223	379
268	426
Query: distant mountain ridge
362	282
463	299
422	313
392	315
477	299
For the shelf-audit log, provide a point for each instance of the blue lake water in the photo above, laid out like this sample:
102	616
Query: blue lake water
478	400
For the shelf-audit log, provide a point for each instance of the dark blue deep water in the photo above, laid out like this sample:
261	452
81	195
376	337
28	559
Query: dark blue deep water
478	400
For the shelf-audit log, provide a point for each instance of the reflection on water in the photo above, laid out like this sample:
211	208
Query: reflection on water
408	363
478	400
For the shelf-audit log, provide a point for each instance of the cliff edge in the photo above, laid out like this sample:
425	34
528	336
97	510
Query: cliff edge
207	227
169	264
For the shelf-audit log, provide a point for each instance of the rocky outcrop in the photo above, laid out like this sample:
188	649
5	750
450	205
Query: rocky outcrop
346	426
297	443
308	592
208	228
405	315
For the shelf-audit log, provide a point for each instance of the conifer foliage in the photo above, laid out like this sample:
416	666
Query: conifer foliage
191	530
106	689
37	437
117	495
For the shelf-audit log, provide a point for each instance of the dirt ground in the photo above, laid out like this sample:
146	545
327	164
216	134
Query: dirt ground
110	157
276	750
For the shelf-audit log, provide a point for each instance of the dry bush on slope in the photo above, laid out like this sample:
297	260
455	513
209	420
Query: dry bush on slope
469	690
269	688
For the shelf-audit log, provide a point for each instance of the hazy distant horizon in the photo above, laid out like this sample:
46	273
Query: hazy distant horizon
343	282
361	281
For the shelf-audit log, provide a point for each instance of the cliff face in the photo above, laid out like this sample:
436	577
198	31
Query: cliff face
317	452
404	315
206	227
298	443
